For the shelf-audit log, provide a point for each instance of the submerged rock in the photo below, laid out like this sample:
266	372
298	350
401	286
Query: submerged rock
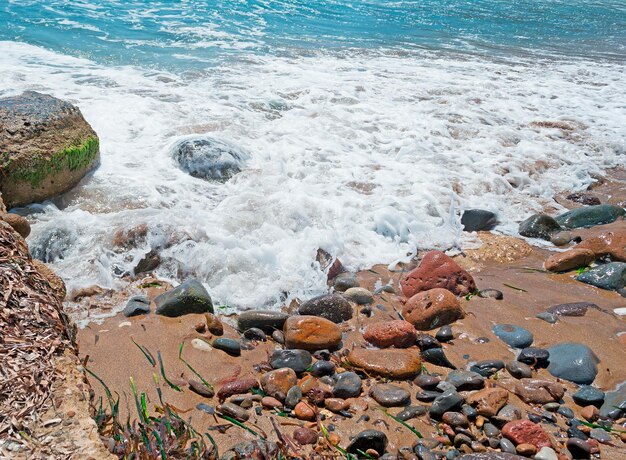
209	158
475	220
46	148
590	216
437	270
188	297
574	362
539	226
611	277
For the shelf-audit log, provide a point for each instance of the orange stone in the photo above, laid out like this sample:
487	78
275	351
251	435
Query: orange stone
392	363
432	309
569	260
311	333
397	333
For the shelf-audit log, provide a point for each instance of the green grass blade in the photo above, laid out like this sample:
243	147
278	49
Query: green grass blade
239	424
180	356
145	352
175	387
406	425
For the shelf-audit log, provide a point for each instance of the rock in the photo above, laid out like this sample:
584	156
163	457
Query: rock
445	402
613	399
304	436
17	222
535	391
209	158
298	360
230	346
535	357
148	263
476	220
258	450
427	381
437	357
277	383
200	388
488	367
271	403
396	364
611	244
455	419
237	387
561	238
589	216
47	148
303	411
578	448
411	412
509	413
565	411
547	317
526	432
611	276
590	413
137	305
519	370
322	368
345	281
571	309
490	294
437	270
333	307
514	336
266	320
53	244
311	333
188	297
539	226
445	334
55	281
213	324
601	435
465	380
397	333
433	308
254	333
546	453
574	362
569	260
526	450
390	395
489	401
368	439
426	342
492	456
294	395
347	385
588	395
583	198
336	405
359	295
234	411
507	446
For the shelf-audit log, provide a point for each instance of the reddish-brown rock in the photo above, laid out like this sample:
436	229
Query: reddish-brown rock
489	401
432	309
304	436
569	260
397	333
526	432
590	413
311	333
536	391
304	411
237	387
437	270
612	244
392	363
19	223
277	383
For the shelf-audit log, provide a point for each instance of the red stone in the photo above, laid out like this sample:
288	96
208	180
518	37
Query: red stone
437	270
432	309
237	387
612	244
397	333
526	432
304	436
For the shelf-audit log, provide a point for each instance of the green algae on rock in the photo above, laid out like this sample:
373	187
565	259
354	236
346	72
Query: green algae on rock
46	147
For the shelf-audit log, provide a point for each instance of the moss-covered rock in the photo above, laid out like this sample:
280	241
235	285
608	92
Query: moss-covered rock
46	147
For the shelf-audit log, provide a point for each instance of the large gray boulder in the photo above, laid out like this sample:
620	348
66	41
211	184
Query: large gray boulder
46	147
188	297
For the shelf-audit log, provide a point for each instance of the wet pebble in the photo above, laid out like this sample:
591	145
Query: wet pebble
304	436
507	446
552	406
255	333
437	357
445	402
444	334
427	381
547	317
368	439
578	448
565	412
359	295
491	294
546	453
230	346
345	281
512	335
278	337
298	360
411	412
490	430
535	357
234	411
322	368
427	395
426	342
137	305
519	370
294	395
200	388
601	435
488	367
465	380
347	385
390	395
455	419
588	395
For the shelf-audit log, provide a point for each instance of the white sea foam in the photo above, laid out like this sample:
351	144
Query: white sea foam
368	156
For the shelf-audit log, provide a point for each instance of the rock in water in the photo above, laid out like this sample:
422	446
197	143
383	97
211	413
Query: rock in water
437	270
188	297
266	320
590	216
574	362
432	309
209	158
514	336
539	226
137	305
46	148
332	307
611	277
475	220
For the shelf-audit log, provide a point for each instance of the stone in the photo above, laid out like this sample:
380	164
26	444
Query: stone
304	436
589	216
583	198
396	333
432	309
509	413
333	307
47	148
437	270
539	226
492	456
572	308
445	402
465	380
536	391
578	448
213	324
487	368
254	333
347	385
298	360
234	411
368	439
477	220
613	399
345	281
278	382
601	435
237	387
547	317
526	450
535	357
396	364
266	320
54	280
514	336
490	294
490	430
445	334
561	238
188	297
437	357
526	432
590	413
209	158
137	305
257	449
53	243
427	381
565	412
271	403
311	333
588	395
426	342
303	411
17	222
359	295
200	388
390	395
507	446
574	362
230	346
336	404
322	368
546	453
294	395
611	276
411	412
488	401
611	244
569	260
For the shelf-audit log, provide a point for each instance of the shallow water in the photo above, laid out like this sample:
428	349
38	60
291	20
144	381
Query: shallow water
370	126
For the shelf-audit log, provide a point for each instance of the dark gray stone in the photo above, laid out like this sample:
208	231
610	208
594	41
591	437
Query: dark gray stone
488	367
230	346
565	412
294	395
298	360
344	281
589	216
572	308
491	294
574	362
266	320
368	439
333	307
188	297
578	448
412	412
588	395
137	305
613	399
390	395
475	220
427	381
611	276
426	342
584	198
347	385
539	226
535	357
519	370
444	334
322	368
209	158
437	357
514	336
445	402
254	333
465	380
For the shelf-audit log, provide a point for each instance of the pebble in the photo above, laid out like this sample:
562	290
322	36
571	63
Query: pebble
588	216
294	395
490	430
437	357
611	276
230	346
565	412
390	395
426	342
427	381
574	362
344	281
239	386
347	385
455	419
397	333
507	446
469	411
547	317
445	402
411	412
526	432
271	403
391	363
254	333
514	336
322	368
535	357
561	238
137	305
277	383
475	220
298	360
333	307
552	406
200	388
444	334
526	449
465	380
200	344
509	413
587	395
590	413
359	295
278	337
304	436
336	404
304	411
188	297
489	400
233	410
571	309
539	226
578	448
519	370
601	435
311	333
488	367
491	294
535	391
546	453
427	395
432	308
368	439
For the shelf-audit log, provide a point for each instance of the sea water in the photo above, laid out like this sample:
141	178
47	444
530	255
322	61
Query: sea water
370	125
